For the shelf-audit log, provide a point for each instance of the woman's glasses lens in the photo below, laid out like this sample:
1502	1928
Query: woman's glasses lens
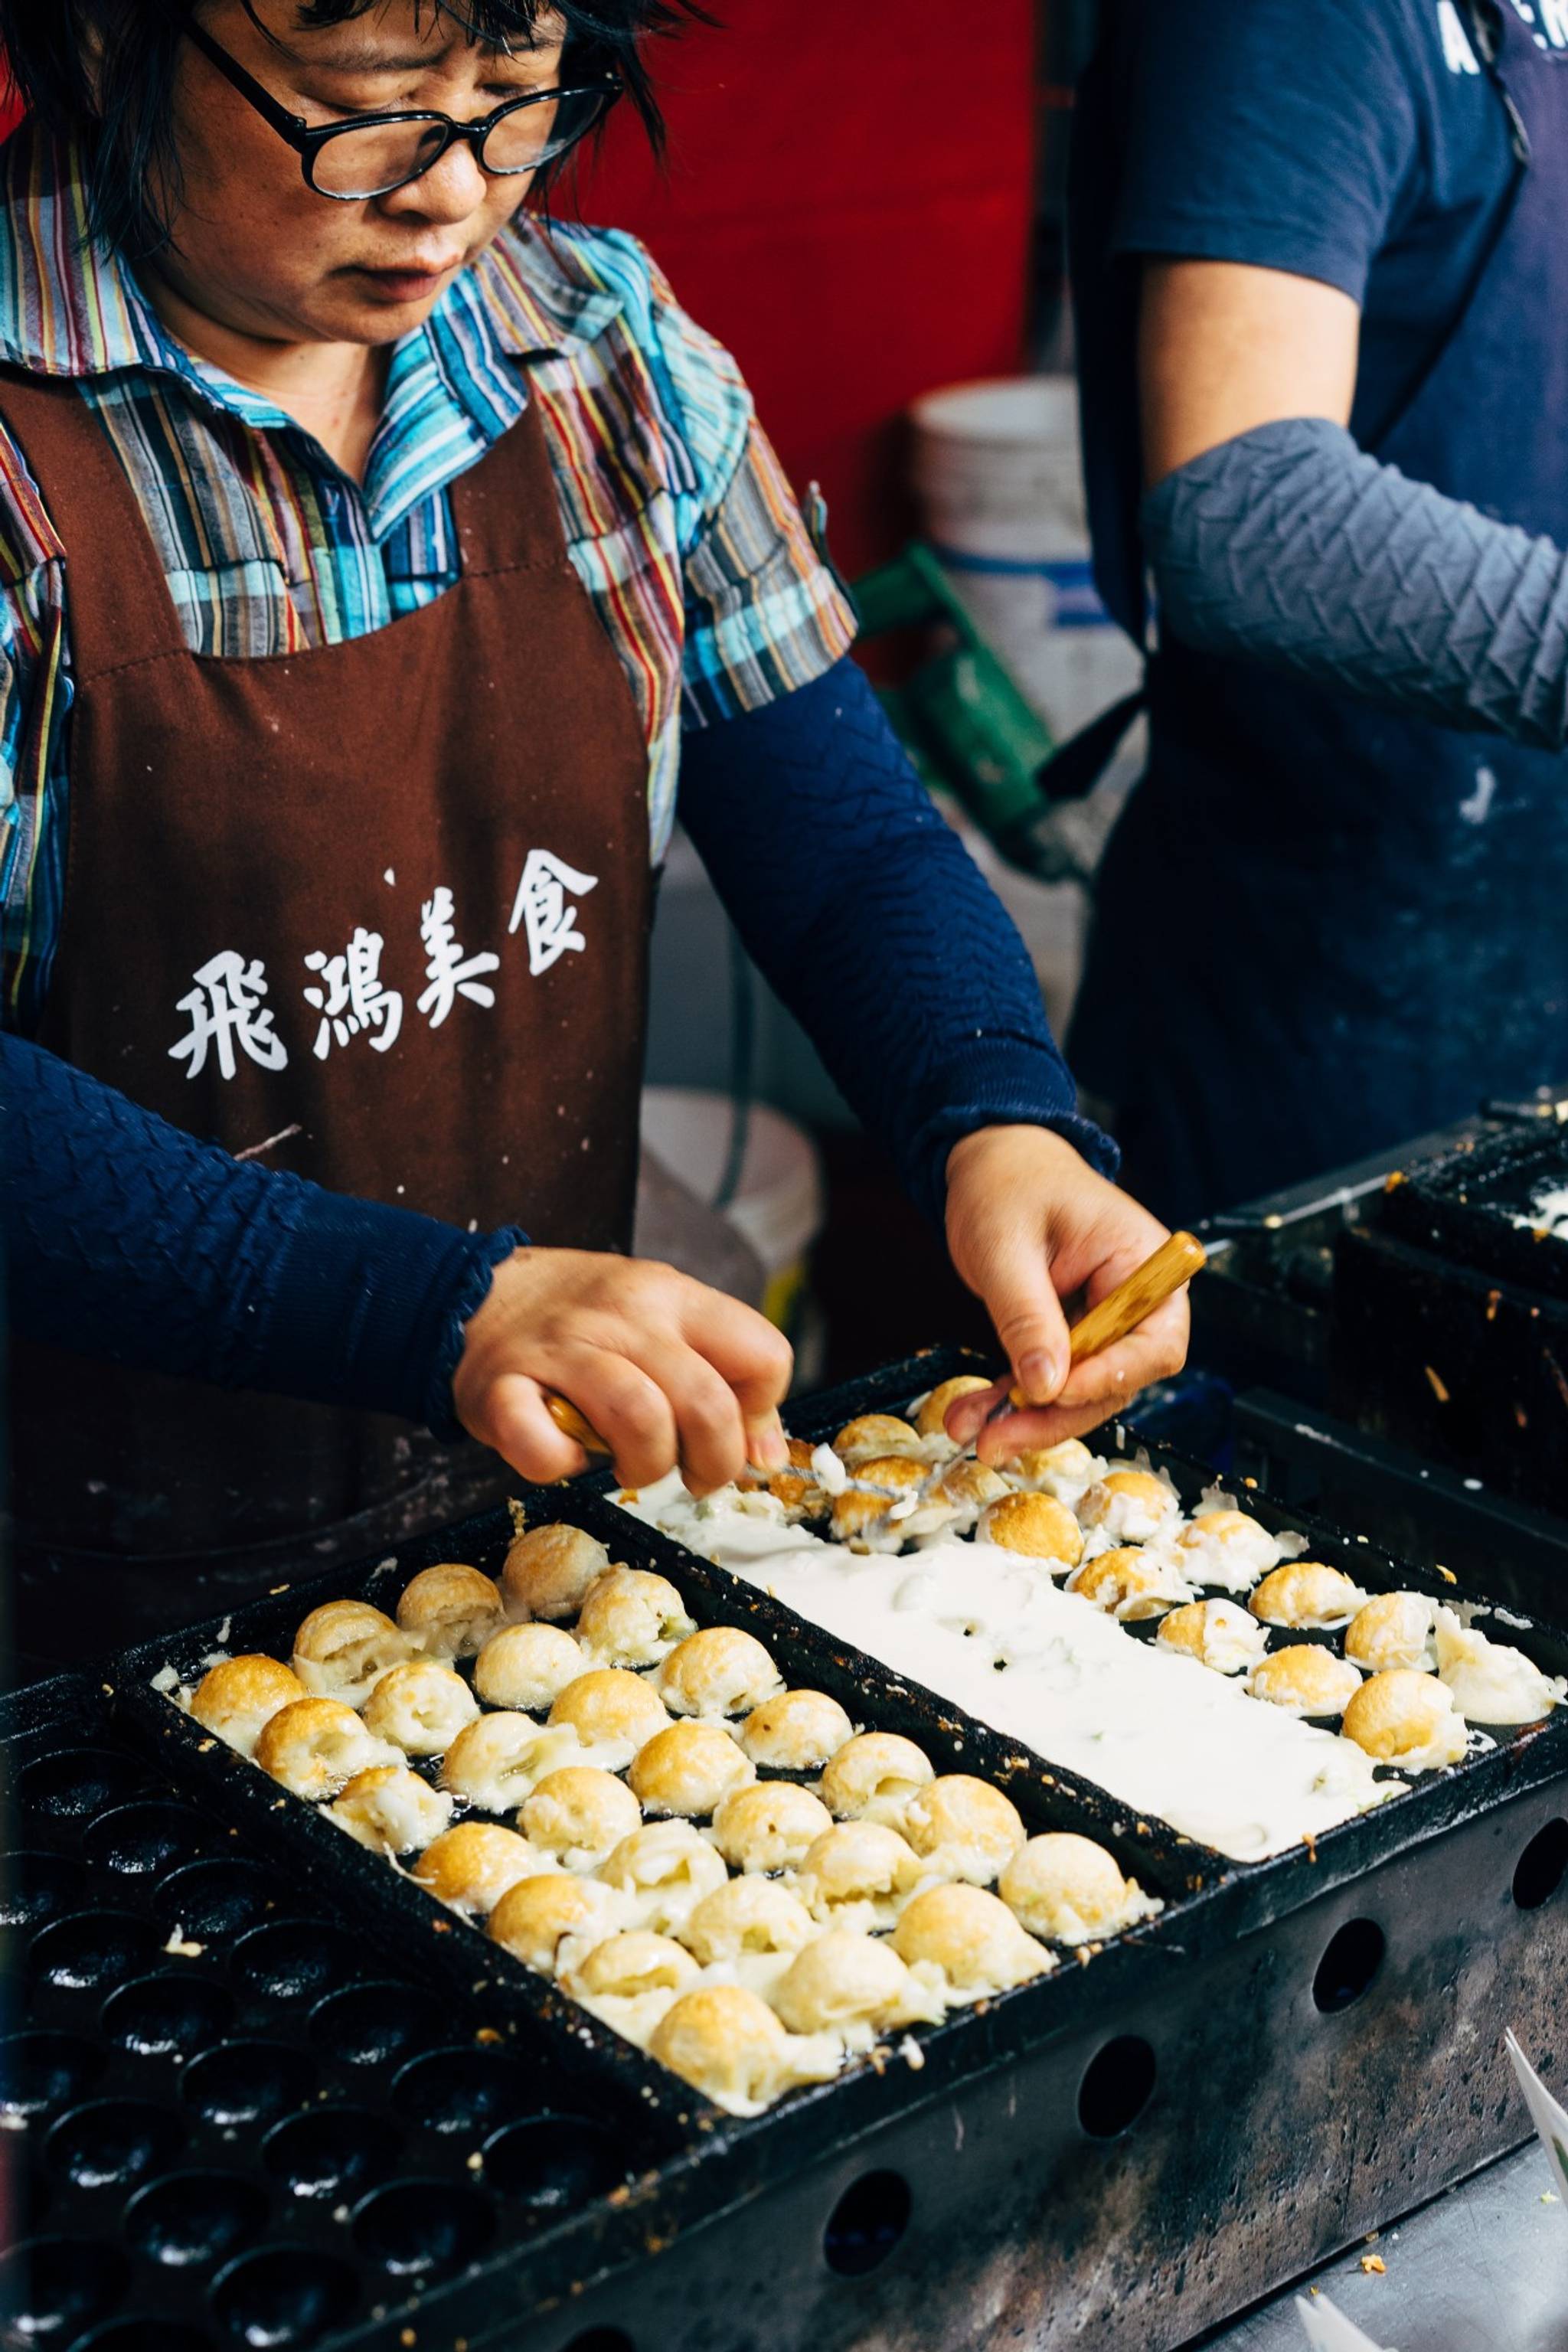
531	136
371	161
382	155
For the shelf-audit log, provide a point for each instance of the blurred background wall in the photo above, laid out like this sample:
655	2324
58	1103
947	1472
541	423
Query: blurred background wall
849	203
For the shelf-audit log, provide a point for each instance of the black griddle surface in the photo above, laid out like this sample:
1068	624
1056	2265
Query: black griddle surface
348	2113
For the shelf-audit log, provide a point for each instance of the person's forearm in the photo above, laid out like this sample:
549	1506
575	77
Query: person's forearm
863	910
126	1238
1292	547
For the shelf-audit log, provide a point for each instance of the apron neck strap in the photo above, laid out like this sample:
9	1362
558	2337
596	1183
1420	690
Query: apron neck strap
505	507
121	611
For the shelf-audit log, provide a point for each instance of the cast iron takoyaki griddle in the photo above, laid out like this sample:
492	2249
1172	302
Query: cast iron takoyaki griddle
1464	1205
1449	1329
239	2116
1129	2149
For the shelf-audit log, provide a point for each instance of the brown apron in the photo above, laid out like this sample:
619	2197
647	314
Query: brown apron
379	908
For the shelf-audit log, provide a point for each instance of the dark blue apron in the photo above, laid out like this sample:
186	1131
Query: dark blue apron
1321	930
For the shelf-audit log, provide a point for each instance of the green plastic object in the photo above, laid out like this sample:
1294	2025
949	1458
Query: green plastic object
963	715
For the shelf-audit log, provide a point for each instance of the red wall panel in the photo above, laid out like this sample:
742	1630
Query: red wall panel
848	204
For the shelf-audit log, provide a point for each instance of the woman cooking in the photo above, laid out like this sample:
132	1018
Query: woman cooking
381	567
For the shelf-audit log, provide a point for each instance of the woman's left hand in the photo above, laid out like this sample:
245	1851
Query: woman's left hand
1029	1223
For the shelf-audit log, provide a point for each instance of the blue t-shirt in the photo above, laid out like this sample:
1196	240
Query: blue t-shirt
1357	141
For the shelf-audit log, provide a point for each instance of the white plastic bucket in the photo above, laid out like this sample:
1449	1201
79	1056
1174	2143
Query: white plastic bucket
999	478
779	1202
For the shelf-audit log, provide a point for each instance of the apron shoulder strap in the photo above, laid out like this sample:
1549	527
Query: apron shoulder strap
1483	21
120	608
506	507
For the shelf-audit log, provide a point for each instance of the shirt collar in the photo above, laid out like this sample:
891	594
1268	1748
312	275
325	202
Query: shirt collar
539	292
69	307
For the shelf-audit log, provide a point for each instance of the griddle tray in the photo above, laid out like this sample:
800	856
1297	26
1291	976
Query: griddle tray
1462	1202
1126	2152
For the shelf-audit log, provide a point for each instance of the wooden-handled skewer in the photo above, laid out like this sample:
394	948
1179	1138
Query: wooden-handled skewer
1147	1286
1122	1309
570	1424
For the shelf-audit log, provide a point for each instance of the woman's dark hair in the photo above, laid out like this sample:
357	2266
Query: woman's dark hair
127	128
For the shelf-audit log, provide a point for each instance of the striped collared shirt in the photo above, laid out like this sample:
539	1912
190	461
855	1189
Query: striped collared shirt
677	516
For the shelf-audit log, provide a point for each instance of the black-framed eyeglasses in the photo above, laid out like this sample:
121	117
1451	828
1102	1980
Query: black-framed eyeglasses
371	154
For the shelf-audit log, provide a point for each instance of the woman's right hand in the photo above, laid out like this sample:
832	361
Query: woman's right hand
666	1369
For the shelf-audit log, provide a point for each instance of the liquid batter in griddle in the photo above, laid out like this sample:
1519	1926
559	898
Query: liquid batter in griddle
997	1637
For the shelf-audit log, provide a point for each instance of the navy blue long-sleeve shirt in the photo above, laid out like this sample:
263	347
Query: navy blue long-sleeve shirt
127	1238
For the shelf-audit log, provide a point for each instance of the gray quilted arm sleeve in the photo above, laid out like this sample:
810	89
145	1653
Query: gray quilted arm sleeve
1291	546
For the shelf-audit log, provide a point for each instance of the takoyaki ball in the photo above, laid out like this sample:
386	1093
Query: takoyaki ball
1394	1629
579	1814
688	1768
963	1827
801	1496
873	1776
973	1939
315	1747
857	1515
874	1433
1066	1470
931	1420
1306	1678
451	1611
769	1826
1225	1547
391	1810
858	1875
727	2043
527	1667
953	1501
1220	1634
236	1698
1129	1583
968	1486
613	1713
664	1869
501	1759
422	1705
746	1917
854	1986
1307	1596
797	1731
797	1487
632	1618
550	1569
1491	1681
879	1484
344	1647
536	1916
470	1868
1036	1525
1132	1505
1407	1719
721	1671
1070	1891
630	1965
